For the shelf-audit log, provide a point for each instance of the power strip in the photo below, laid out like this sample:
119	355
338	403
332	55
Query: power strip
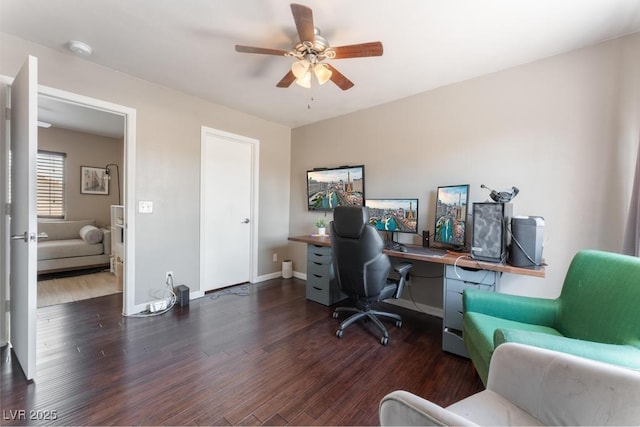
158	306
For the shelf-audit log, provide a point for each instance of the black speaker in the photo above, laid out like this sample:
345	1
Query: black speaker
425	238
490	236
182	295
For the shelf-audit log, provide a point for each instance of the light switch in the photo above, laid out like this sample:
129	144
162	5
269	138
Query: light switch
145	206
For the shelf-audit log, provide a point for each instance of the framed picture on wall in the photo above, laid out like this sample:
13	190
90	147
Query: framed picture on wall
93	180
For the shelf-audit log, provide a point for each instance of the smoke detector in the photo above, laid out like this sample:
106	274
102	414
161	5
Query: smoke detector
79	48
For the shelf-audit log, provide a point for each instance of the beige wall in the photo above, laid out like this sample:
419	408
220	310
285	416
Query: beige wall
564	130
168	162
83	149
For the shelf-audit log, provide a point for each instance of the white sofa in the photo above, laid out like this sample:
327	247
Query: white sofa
531	386
72	245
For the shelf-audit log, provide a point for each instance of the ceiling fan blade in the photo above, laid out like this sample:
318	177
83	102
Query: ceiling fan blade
339	79
287	80
358	50
262	50
304	22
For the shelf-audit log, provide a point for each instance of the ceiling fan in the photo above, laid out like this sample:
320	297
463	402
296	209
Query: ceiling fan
311	52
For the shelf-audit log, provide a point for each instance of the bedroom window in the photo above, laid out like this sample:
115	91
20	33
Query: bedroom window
51	181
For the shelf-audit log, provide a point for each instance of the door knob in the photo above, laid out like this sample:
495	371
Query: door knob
24	236
246	221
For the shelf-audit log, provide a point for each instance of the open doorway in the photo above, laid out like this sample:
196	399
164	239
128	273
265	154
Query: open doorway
100	144
80	164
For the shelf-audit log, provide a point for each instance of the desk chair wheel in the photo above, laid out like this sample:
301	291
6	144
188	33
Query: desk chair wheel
335	314
384	341
398	323
339	333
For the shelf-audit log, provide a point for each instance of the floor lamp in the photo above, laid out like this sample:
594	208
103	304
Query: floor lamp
107	172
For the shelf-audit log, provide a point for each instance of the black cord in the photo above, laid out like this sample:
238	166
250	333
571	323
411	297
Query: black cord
243	292
428	277
414	301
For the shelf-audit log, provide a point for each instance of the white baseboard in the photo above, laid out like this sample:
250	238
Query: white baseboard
269	276
278	275
196	294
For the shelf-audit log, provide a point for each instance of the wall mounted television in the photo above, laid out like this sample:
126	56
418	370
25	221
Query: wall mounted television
452	202
328	188
393	215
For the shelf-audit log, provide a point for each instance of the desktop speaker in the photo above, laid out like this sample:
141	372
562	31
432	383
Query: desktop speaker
526	241
425	238
182	296
489	241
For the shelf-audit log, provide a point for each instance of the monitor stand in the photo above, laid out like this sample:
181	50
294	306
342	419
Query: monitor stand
391	244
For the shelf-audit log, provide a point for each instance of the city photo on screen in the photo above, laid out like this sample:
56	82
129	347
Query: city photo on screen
451	216
328	188
396	215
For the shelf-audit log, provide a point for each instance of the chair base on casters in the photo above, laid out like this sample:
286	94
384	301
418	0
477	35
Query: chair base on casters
366	313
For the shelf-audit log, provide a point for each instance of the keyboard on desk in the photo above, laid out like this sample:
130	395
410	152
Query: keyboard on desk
429	252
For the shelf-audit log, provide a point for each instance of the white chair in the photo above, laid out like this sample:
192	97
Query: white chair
531	386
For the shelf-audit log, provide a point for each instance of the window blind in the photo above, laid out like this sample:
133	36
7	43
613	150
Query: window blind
51	180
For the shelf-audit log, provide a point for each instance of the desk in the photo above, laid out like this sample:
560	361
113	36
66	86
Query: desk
416	253
471	275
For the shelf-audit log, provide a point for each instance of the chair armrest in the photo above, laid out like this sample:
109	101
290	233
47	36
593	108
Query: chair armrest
537	311
623	355
561	389
401	408
402	269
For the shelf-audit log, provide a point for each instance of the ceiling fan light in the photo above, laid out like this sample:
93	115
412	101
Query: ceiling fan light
322	72
305	80
299	68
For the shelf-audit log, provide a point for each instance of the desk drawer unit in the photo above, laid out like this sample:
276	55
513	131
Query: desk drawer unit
321	286
456	280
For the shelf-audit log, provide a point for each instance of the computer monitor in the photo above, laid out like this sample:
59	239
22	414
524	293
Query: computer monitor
393	215
331	187
451	217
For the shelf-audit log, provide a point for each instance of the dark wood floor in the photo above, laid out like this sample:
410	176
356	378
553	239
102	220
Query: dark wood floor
267	358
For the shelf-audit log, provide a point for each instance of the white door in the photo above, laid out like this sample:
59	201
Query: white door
5	180
22	275
226	217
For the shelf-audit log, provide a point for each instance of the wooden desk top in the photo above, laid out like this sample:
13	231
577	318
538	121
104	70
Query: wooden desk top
417	253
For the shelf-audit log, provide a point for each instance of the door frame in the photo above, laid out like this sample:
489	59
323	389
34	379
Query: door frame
129	149
4	216
255	156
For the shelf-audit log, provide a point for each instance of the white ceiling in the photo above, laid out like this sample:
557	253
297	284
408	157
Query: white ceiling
188	45
68	115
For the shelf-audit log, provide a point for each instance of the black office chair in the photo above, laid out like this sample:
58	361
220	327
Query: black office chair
361	268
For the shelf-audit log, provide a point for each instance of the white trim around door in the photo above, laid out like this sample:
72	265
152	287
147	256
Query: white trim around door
129	173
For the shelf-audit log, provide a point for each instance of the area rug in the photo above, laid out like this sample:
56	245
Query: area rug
64	288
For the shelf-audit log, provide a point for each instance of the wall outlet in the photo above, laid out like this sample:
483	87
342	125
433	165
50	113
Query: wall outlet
145	206
275	257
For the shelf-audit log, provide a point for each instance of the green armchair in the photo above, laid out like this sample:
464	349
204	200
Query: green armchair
596	316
